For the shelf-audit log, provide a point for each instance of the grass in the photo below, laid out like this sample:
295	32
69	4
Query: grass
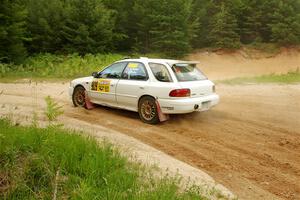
50	163
57	67
288	78
53	110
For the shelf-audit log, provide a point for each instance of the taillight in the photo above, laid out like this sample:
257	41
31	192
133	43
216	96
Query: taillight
180	93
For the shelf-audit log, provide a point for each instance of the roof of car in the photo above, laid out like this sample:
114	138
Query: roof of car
167	61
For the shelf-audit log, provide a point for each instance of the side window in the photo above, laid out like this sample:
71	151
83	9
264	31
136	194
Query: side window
135	71
160	72
113	71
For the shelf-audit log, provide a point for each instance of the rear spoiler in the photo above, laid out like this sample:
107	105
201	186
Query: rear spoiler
185	62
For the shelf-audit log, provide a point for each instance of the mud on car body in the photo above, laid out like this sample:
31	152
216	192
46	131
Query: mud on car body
152	87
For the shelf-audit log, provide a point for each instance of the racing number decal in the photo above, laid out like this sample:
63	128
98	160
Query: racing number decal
101	85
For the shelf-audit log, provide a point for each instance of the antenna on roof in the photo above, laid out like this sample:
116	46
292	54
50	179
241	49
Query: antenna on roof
125	58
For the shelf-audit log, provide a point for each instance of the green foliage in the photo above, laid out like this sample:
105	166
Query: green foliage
12	31
53	110
35	161
70	26
223	28
89	27
125	23
58	66
45	21
164	26
168	27
286	24
200	12
247	22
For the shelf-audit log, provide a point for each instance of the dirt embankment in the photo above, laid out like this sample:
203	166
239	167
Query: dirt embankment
244	63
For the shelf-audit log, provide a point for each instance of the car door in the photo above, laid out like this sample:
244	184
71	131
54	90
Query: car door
103	87
132	85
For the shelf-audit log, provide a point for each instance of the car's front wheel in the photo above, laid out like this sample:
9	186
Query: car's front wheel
148	110
78	97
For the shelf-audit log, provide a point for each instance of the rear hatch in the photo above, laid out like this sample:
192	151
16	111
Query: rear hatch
198	88
190	77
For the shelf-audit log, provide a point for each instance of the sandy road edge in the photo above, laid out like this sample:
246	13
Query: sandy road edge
151	156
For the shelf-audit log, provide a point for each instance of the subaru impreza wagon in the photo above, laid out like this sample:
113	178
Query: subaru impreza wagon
151	87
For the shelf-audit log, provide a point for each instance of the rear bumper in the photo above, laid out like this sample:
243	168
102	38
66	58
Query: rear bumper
188	105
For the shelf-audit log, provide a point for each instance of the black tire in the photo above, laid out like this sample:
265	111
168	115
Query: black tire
148	110
78	97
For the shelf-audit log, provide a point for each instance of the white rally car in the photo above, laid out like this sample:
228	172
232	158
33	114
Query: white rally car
151	87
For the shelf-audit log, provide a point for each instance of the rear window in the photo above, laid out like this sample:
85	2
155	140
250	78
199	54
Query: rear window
188	72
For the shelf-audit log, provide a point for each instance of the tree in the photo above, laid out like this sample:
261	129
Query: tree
82	26
249	23
45	21
224	28
12	31
171	27
125	23
164	26
285	27
89	27
200	13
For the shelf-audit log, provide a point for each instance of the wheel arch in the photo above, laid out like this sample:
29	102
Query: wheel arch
78	85
144	95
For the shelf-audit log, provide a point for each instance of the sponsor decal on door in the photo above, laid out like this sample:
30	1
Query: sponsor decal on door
101	85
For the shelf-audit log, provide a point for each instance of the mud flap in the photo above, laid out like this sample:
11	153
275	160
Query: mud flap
88	104
162	117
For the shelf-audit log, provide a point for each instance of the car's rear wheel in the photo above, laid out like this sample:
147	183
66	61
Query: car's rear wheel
148	110
78	97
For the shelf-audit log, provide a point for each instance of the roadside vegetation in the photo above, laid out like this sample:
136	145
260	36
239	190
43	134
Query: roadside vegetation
50	66
52	163
57	66
288	78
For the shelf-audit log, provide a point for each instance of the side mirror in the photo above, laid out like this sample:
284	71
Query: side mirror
95	74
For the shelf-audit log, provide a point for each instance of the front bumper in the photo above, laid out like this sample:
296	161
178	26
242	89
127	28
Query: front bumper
188	105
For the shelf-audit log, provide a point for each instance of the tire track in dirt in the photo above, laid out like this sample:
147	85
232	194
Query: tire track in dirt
182	147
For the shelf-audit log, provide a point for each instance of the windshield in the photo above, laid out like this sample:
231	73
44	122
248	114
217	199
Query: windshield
188	72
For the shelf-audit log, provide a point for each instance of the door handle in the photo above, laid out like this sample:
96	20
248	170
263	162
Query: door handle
141	87
112	85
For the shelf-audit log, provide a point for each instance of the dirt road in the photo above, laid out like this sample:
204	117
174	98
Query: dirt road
250	142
